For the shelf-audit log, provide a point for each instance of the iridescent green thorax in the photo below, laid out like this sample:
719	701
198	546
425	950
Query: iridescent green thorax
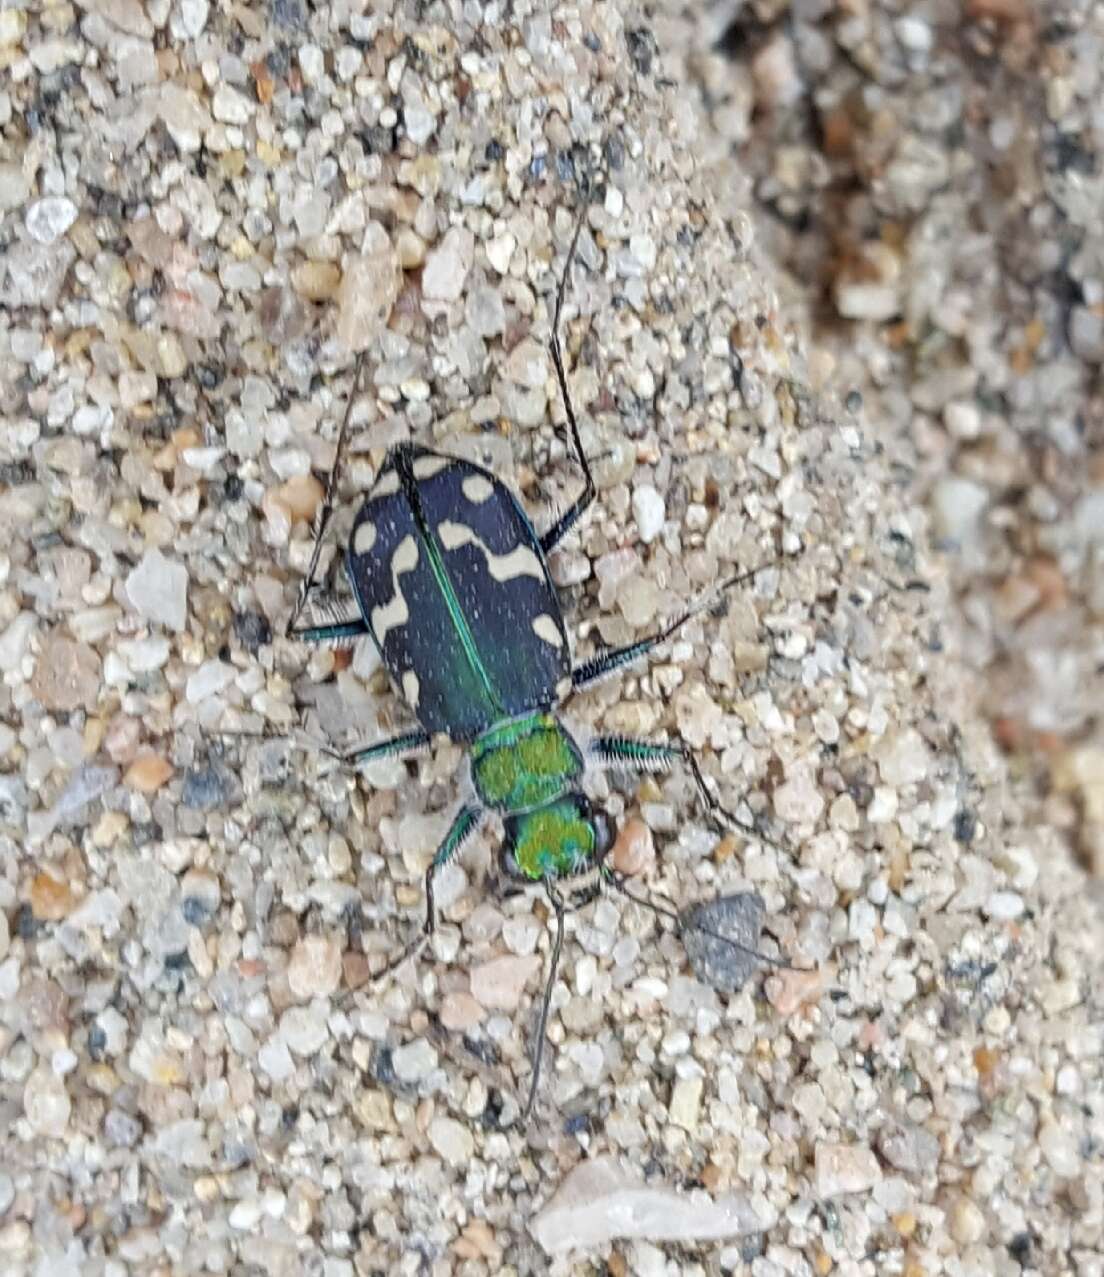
555	841
524	763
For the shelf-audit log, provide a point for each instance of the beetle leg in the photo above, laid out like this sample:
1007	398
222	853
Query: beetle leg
571	516
408	745
648	756
467	822
336	633
465	826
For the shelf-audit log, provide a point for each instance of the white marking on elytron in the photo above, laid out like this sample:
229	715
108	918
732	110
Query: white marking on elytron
427	467
395	612
477	488
545	627
386	485
521	561
411	687
364	537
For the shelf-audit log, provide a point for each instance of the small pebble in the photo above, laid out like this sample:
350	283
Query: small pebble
317	281
67	675
148	773
633	851
1004	906
498	984
451	1140
460	1013
314	969
721	938
685	1106
877	302
121	1130
414	1062
304	1029
1059	1147
46	1103
51	898
300	496
282	315
48	219
193	17
967	1222
909	1148
447	266
844	1168
369	289
211	678
957	507
158	590
603	1198
797	800
788	990
649	512
230	106
201	895
204	789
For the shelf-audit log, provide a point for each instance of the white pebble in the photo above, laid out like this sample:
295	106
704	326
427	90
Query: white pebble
230	106
158	589
798	801
876	302
649	512
500	250
447	265
48	219
1004	906
275	1059
685	1106
46	1103
957	507
315	967
452	1140
211	678
845	1168
192	18
1059	1147
962	419
914	34
304	1029
245	1215
414	1061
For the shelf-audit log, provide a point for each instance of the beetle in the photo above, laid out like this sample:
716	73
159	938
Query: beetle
452	586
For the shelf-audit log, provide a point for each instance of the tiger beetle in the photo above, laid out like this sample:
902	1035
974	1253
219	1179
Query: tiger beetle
452	585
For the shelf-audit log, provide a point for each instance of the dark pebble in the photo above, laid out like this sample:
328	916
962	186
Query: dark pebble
723	966
642	49
204	789
289	14
252	630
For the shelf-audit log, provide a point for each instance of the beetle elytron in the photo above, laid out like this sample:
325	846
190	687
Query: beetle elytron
452	585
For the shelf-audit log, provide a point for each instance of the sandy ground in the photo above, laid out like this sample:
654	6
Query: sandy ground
206	214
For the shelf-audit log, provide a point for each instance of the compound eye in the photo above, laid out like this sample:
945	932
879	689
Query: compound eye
507	861
604	831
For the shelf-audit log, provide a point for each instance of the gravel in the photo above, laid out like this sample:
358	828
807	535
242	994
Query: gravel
835	312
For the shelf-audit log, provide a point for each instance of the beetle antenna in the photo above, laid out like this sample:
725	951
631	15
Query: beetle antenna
546	1003
617	881
709	597
326	510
